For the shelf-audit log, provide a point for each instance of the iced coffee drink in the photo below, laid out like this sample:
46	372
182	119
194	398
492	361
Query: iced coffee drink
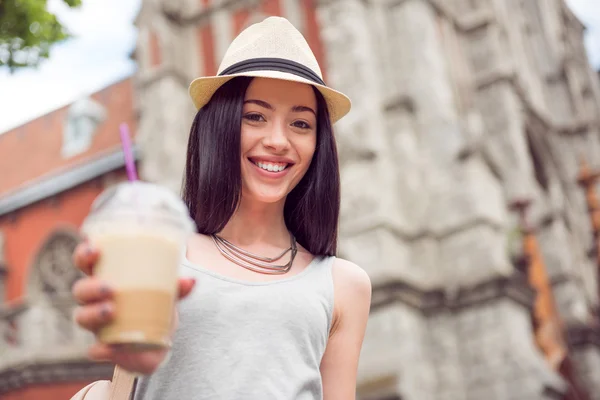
140	230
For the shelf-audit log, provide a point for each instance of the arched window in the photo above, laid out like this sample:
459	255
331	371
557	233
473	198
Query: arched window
49	295
53	273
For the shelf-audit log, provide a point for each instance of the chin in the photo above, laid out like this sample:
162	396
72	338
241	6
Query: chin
267	197
270	199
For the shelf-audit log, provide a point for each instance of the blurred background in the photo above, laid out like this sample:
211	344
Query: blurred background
470	166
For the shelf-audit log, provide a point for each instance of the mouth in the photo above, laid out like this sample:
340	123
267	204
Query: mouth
270	166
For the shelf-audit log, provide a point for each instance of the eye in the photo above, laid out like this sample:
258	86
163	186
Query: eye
254	117
301	124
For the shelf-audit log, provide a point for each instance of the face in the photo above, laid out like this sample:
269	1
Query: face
278	137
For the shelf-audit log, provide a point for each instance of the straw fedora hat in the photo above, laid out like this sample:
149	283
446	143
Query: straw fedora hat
275	49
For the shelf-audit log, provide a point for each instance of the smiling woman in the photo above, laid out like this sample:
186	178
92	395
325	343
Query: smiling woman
275	314
283	124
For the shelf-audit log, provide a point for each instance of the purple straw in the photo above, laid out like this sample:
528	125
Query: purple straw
126	144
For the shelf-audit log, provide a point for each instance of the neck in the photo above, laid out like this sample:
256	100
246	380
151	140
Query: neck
256	223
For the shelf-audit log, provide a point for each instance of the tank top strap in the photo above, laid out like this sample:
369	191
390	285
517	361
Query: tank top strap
318	273
319	280
322	266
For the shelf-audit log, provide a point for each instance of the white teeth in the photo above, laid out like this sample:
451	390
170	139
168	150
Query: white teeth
271	167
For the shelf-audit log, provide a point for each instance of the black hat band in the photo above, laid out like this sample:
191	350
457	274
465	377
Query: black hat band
273	64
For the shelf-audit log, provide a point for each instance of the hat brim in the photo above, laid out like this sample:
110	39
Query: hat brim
202	89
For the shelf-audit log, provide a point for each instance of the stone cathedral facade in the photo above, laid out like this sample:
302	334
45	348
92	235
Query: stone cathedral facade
460	164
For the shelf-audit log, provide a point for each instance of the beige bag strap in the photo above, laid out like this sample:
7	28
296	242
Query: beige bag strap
121	385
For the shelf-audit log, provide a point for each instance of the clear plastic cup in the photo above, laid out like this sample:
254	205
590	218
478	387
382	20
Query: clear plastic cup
140	230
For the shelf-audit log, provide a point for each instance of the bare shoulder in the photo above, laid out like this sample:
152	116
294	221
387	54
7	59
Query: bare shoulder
352	292
351	278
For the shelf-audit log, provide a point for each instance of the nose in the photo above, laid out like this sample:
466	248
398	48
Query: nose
276	138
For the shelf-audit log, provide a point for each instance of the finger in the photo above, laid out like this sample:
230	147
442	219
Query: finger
138	362
85	257
145	362
185	287
94	316
101	352
89	290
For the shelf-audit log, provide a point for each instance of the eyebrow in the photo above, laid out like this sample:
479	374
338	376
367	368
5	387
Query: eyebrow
260	103
266	105
303	108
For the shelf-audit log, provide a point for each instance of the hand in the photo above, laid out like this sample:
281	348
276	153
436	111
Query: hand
97	310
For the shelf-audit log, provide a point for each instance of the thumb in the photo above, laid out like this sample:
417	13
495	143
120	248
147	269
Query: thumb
185	286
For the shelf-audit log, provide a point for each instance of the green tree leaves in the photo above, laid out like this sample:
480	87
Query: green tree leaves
27	31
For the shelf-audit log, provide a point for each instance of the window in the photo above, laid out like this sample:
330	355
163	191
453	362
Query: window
54	267
83	118
51	279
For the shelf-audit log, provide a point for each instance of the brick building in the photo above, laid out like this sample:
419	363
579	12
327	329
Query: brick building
53	168
465	191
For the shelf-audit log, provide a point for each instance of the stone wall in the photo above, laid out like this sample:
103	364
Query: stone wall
453	115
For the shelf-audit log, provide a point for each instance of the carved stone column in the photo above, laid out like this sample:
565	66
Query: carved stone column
168	60
585	337
374	231
588	180
430	226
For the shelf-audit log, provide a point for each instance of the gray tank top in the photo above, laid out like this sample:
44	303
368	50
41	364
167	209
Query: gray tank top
241	340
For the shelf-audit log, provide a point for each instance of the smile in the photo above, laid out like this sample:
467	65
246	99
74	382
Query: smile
269	166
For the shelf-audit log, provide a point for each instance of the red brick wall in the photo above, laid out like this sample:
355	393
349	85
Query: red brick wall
271	7
27	229
240	17
312	33
34	149
56	391
207	55
155	51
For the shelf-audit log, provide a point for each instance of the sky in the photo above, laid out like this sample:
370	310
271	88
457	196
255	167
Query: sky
99	55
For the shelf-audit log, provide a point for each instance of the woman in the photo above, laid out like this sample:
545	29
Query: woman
273	314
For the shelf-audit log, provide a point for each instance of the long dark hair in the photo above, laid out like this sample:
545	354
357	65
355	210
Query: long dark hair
212	186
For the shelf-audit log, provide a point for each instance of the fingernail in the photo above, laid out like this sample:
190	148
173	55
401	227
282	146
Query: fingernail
105	290
88	250
105	311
